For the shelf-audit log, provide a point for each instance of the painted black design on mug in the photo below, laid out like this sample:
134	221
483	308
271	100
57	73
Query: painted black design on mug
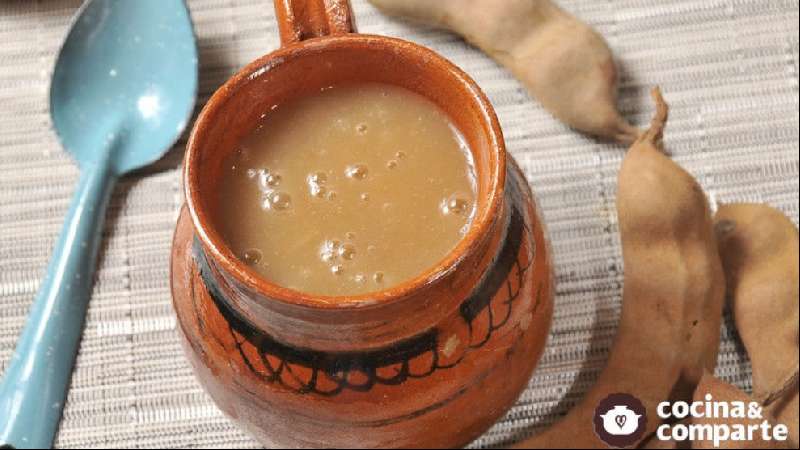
329	373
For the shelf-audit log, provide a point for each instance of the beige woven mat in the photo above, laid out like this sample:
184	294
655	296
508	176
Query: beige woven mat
728	68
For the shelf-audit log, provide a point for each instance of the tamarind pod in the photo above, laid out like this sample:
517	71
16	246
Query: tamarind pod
723	392
564	63
759	249
668	334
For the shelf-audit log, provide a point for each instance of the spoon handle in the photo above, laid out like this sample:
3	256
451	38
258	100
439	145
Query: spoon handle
34	388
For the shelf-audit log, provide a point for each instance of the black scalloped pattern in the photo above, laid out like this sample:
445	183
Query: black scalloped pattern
330	373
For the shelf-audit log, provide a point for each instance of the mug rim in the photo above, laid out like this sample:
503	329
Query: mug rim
221	254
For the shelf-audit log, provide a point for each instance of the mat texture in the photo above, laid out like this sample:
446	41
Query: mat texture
729	69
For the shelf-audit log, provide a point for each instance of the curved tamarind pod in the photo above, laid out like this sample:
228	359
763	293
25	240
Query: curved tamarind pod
724	392
564	63
668	334
759	248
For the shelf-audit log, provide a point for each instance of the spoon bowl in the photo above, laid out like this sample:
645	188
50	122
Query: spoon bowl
123	89
126	78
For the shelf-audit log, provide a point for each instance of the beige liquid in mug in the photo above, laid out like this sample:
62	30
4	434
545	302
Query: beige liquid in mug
351	190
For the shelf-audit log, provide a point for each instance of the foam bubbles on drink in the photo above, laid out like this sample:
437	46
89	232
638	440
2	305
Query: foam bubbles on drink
334	253
326	256
317	191
277	201
329	250
356	171
347	251
251	256
318	177
316	184
336	188
268	180
455	205
271	198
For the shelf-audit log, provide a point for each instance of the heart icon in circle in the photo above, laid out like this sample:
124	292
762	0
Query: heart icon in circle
620	420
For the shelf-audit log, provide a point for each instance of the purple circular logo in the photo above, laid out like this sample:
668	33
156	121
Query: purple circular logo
620	420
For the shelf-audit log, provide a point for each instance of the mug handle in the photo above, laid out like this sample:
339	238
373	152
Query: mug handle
305	19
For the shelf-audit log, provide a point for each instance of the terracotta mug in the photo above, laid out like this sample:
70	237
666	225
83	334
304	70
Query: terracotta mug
432	362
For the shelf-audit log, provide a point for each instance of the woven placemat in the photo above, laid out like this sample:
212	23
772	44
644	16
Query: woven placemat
728	68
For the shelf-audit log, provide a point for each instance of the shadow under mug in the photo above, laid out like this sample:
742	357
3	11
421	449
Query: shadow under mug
432	362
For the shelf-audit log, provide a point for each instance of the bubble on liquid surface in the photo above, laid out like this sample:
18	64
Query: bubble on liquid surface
400	155
268	180
330	244
356	171
337	269
455	205
330	195
391	164
317	191
251	256
318	177
316	184
350	235
327	256
378	277
329	250
359	278
277	201
347	251
364	196
361	128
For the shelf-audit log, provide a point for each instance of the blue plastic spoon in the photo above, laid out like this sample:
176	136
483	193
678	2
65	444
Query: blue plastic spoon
123	89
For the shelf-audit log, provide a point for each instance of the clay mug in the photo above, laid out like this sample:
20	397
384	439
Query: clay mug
432	362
